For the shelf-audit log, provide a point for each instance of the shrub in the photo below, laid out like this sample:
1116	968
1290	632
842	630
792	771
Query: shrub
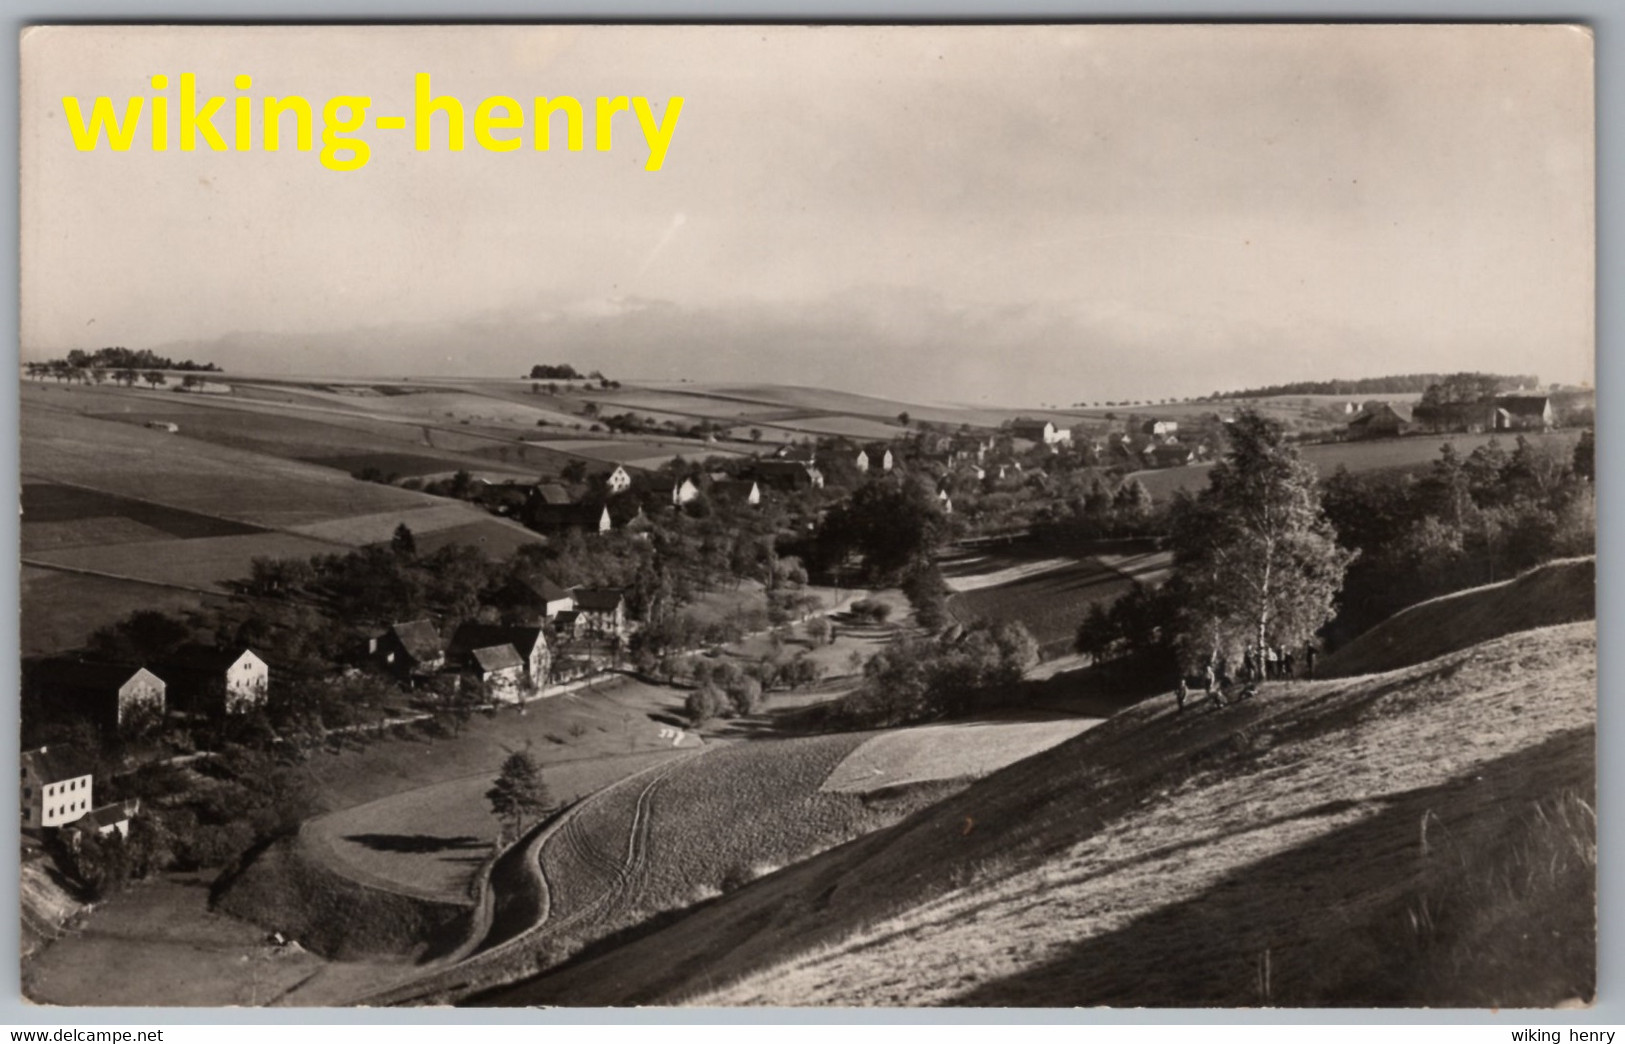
871	609
705	703
745	696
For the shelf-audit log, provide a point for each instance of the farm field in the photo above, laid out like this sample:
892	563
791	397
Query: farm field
857	428
1051	603
1153	859
651	843
194	476
61	609
429	842
646	453
204	562
1366	455
961	750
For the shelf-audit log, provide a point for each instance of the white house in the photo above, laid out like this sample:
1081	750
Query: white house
56	787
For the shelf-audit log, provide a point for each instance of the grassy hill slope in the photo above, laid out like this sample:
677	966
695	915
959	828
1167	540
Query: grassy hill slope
1423	836
1555	593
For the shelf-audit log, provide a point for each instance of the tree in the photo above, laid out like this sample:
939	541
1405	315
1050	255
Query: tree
903	418
519	790
403	543
1254	551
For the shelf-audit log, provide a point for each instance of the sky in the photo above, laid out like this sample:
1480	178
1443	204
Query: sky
1012	215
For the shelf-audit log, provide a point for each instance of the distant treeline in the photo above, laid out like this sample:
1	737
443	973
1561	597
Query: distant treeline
562	372
1399	384
128	359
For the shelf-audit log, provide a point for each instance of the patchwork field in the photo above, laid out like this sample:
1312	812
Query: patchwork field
204	562
646	453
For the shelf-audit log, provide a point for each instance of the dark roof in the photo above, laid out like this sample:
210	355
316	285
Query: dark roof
195	657
1372	410
419	638
567	618
552	493
56	763
546	589
103	817
598	600
557	516
497	658
1524	405
1029	424
732	489
85	676
473	636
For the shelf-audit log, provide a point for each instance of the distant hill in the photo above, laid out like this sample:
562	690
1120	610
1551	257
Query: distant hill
1555	593
1395	385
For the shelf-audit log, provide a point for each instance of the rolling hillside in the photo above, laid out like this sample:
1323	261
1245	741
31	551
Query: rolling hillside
1555	593
1423	836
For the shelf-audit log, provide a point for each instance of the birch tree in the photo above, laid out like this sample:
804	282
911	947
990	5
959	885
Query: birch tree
1256	553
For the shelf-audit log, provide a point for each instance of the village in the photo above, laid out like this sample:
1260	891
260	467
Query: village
730	591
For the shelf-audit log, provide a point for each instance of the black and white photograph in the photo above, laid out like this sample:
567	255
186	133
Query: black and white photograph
839	516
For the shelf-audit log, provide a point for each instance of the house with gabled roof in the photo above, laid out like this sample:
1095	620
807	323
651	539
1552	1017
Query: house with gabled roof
788	475
602	612
1523	413
56	787
736	491
528	643
553	598
411	649
559	519
500	670
1381	420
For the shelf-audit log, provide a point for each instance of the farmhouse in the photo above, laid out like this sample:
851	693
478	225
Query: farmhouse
1159	427
602	613
105	820
677	491
553	598
619	480
1041	432
411	649
788	475
205	679
108	693
736	491
878	456
528	643
56	787
1381	420
168	426
558	519
551	493
1523	413
500	670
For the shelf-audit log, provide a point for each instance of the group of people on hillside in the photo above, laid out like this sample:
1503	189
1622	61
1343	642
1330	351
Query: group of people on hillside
1275	663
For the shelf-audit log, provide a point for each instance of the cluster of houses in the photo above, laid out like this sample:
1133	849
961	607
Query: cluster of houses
1384	419
194	679
511	662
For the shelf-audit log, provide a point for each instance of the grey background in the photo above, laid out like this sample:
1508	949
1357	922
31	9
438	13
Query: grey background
1608	24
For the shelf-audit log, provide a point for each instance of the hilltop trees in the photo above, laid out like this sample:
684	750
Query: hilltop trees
1254	553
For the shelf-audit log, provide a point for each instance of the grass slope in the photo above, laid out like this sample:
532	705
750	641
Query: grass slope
1555	593
1293	850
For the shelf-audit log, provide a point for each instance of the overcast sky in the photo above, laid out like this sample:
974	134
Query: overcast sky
1012	215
